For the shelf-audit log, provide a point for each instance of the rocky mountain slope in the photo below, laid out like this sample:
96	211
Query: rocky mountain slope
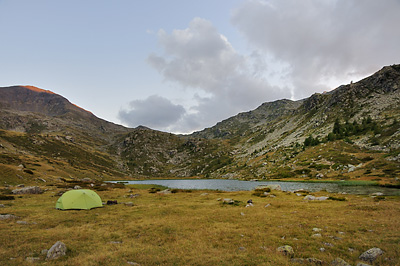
351	132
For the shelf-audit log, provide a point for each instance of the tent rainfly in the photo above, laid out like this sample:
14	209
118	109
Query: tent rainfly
79	199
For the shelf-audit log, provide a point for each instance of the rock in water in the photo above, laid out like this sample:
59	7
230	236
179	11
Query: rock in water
57	250
286	250
371	254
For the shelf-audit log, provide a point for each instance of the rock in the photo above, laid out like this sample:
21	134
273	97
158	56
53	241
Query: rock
57	250
315	229
322	249
311	197
362	264
129	204
275	187
77	187
7	216
376	194
228	201
32	259
286	250
2	206
319	175
297	260
22	222
266	206
339	262
165	192
371	254
28	190
133	263
314	261
203	194
316	235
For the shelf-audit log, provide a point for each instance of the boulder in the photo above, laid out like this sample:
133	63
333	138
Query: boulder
371	254
275	187
28	190
59	249
339	262
286	250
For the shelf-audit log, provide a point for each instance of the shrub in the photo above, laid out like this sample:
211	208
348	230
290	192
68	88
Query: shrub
337	198
5	197
154	190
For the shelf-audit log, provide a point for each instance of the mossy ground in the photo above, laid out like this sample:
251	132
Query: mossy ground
194	228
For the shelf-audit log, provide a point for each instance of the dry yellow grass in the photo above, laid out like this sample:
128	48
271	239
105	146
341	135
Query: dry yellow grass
197	229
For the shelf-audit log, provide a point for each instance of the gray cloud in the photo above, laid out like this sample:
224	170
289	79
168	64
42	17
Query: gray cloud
321	41
200	58
154	112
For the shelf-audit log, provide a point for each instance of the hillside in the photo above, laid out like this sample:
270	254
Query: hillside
351	133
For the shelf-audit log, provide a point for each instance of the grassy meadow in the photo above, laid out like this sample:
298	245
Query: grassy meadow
196	228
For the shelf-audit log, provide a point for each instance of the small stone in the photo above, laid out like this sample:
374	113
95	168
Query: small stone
339	262
129	204
317	229
316	235
32	259
22	222
57	250
7	216
2	206
286	250
266	206
77	187
242	248
133	263
371	254
362	264
297	260
322	249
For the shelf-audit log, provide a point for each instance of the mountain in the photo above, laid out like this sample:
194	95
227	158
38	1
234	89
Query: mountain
351	132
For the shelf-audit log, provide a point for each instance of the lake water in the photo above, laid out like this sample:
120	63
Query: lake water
237	185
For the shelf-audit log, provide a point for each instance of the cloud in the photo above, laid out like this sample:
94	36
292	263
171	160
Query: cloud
199	58
154	112
323	41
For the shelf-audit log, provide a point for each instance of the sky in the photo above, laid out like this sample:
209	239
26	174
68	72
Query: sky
183	65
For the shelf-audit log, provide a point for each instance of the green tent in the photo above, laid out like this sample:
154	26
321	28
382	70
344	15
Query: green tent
79	199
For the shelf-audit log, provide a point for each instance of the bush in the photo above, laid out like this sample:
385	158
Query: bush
4	197
337	198
154	190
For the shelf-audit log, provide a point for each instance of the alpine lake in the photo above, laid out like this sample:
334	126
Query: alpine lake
238	185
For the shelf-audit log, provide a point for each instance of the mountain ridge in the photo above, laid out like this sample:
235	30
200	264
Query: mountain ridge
353	125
